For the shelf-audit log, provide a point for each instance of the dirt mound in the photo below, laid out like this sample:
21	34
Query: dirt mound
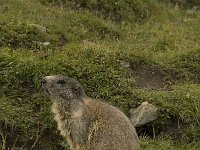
153	77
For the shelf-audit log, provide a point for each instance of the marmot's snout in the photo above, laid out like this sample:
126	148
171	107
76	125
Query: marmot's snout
44	85
47	83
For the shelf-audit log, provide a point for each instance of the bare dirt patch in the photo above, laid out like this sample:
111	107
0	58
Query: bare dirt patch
174	129
153	77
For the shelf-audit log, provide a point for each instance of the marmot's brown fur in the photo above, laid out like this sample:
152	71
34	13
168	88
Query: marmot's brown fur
85	123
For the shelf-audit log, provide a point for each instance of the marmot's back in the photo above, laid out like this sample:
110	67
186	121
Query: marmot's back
110	128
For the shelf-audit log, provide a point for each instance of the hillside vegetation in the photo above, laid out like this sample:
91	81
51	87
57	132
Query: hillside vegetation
124	52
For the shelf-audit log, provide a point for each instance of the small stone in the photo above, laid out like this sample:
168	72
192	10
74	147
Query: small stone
125	64
42	43
46	43
40	28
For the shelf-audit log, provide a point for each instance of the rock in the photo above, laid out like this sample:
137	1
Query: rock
46	43
125	64
42	43
143	114
40	28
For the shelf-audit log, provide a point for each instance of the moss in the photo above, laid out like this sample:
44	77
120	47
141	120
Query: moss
182	103
164	143
23	35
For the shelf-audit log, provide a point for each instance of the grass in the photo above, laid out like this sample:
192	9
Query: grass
92	46
167	144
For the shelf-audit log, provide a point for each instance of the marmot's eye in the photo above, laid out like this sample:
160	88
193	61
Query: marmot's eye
76	87
61	82
43	81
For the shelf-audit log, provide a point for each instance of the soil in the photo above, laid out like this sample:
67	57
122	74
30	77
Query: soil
174	129
153	77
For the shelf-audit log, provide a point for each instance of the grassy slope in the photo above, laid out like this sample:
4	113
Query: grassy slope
92	50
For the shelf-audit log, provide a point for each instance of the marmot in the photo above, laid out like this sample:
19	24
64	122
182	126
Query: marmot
88	124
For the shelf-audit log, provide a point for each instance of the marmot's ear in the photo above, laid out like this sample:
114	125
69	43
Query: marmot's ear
76	87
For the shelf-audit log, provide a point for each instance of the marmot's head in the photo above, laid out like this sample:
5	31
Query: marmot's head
62	87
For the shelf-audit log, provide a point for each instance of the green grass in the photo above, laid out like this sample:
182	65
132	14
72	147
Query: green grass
166	144
116	10
91	46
